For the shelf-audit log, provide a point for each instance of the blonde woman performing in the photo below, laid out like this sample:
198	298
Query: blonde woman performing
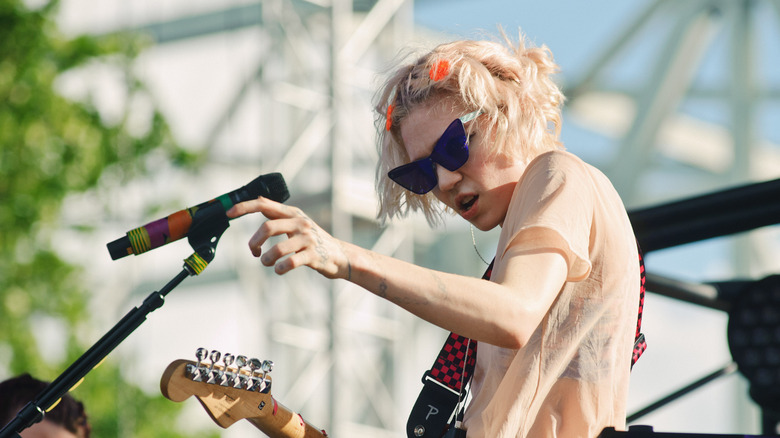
472	128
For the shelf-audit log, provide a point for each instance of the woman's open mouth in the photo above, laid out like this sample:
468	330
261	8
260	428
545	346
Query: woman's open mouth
467	206
467	203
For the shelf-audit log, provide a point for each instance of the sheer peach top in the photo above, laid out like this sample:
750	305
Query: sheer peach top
571	379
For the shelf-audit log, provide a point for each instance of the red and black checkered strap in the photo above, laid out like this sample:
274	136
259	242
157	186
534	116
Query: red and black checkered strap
455	362
443	385
457	358
640	344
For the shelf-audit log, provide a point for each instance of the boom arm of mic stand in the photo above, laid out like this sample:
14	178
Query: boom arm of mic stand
204	241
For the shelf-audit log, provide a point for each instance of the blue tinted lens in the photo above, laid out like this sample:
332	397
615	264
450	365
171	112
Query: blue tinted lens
417	176
451	152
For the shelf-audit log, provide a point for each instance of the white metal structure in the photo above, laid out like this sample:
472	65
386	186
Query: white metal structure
286	86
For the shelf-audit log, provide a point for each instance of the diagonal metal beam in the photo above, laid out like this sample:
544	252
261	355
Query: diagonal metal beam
229	112
678	61
627	35
373	386
229	19
369	29
295	32
304	146
204	24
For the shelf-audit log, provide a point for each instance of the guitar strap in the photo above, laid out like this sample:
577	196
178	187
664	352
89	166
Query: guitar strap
640	345
444	385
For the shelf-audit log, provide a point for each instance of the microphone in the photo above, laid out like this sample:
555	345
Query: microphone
177	225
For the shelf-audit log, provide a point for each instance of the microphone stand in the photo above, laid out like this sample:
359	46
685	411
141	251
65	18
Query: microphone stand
203	237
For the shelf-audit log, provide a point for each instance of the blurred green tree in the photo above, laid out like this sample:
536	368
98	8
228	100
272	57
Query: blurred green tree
50	147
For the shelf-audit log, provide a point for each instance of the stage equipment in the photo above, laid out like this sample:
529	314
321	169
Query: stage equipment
203	236
647	432
754	339
752	305
177	225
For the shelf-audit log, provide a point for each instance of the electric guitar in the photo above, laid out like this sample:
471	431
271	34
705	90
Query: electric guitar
233	389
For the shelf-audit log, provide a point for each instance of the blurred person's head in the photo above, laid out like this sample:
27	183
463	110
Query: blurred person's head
67	419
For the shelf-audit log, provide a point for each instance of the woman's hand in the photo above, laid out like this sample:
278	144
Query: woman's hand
307	243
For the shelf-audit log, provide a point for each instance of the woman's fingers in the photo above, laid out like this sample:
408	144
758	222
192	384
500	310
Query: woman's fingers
281	249
278	227
296	259
243	208
269	208
307	243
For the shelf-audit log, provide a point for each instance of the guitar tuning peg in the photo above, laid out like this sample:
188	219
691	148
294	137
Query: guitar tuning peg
240	380
229	375
267	367
228	359
214	375
256	383
198	370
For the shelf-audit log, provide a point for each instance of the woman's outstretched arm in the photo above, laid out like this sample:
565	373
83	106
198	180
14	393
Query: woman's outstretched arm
502	312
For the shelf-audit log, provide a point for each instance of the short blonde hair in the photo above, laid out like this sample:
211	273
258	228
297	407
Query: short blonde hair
511	85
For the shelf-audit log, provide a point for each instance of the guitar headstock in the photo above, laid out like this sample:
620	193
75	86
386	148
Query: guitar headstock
229	387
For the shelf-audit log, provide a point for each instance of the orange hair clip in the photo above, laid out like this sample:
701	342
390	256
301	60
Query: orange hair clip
389	122
439	70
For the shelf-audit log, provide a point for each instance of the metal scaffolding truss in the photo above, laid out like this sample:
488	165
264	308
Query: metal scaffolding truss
346	357
342	351
658	135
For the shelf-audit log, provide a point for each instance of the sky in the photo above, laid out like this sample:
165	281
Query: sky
577	32
565	26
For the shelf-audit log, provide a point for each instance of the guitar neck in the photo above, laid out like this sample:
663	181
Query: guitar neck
227	401
277	421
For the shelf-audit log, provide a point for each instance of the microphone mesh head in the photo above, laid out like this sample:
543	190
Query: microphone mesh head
271	186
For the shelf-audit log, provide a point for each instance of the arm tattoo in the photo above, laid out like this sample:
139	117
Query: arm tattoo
399	300
318	247
441	286
382	291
